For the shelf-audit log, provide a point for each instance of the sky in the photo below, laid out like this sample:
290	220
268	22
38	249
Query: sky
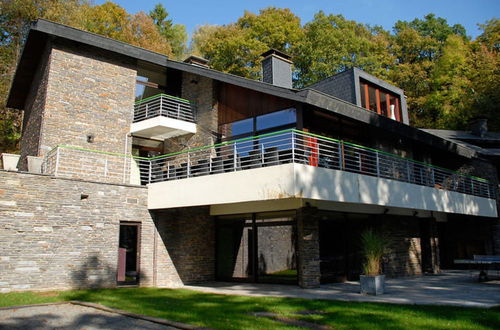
192	13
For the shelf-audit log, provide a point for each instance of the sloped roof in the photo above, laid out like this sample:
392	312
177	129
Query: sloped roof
42	32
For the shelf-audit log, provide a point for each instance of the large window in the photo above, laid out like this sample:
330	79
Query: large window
261	124
149	83
379	100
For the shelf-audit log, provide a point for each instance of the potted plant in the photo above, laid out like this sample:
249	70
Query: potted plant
374	245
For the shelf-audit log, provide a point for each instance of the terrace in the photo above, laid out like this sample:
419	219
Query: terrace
333	162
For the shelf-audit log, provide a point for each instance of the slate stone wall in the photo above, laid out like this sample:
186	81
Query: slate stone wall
185	246
81	92
308	261
51	238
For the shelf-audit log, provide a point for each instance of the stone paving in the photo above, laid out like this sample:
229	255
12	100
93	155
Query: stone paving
454	288
69	316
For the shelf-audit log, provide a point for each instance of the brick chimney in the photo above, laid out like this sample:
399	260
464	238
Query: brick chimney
195	60
277	68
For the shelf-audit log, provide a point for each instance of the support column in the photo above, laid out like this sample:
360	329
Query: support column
434	241
308	248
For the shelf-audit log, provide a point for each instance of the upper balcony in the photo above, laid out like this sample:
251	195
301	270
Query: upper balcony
163	116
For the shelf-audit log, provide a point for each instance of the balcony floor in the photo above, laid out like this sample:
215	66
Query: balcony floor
290	186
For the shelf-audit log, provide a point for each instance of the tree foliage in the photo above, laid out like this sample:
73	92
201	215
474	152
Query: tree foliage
236	47
175	34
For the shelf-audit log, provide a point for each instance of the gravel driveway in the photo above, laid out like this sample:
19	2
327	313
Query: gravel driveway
69	316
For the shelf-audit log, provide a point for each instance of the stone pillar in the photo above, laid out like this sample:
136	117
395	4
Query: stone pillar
434	242
308	248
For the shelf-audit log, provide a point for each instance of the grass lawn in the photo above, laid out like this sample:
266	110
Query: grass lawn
233	312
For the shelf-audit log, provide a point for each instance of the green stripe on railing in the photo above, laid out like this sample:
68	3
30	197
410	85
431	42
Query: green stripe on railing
158	95
272	134
392	155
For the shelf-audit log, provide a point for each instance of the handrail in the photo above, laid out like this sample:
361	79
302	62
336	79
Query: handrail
292	145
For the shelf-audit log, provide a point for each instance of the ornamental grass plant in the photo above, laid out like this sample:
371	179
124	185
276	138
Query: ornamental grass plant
374	245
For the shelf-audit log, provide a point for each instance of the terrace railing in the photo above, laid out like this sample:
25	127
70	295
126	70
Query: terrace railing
288	146
293	146
163	105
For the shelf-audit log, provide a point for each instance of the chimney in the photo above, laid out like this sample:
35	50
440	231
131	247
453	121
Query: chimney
198	61
479	127
277	68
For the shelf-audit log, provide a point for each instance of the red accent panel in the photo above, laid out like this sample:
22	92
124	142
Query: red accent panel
122	253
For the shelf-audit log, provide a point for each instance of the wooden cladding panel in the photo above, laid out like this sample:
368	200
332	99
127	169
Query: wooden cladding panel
236	103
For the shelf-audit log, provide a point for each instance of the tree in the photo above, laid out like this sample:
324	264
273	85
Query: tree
417	46
236	47
175	34
333	44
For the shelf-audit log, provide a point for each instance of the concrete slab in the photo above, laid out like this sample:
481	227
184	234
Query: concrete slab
454	288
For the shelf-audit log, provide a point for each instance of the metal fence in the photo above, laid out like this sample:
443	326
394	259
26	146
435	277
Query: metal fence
163	105
292	146
289	146
71	162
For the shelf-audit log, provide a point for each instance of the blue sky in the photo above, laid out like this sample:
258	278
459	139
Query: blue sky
382	12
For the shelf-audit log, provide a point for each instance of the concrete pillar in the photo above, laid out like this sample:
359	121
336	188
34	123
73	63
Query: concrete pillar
308	248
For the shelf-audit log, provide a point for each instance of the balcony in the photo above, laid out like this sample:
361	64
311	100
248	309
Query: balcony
163	116
284	170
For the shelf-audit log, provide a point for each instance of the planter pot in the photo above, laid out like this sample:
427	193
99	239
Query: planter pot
9	161
373	285
34	164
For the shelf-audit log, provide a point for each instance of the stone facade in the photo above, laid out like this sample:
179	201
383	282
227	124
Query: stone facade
185	247
34	112
82	93
200	91
54	239
308	260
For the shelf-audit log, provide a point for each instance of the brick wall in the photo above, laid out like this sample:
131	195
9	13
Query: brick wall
53	239
185	247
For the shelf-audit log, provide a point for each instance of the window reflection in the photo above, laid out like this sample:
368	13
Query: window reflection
256	125
381	101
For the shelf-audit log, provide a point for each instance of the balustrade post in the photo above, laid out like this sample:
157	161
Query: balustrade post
161	106
147	108
293	147
377	162
57	161
188	165
408	170
150	170
235	162
178	111
341	154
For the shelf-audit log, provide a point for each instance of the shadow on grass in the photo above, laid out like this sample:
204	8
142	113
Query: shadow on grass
224	311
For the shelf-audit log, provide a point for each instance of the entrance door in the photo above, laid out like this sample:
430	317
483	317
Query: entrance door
128	253
257	248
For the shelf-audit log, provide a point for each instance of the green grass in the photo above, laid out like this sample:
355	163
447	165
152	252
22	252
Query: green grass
232	312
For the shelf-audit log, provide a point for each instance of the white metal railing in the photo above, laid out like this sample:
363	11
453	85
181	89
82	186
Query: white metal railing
163	105
288	146
299	147
73	162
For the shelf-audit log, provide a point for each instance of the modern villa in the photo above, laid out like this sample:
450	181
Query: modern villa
138	169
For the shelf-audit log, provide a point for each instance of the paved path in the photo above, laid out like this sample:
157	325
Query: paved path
455	288
69	316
